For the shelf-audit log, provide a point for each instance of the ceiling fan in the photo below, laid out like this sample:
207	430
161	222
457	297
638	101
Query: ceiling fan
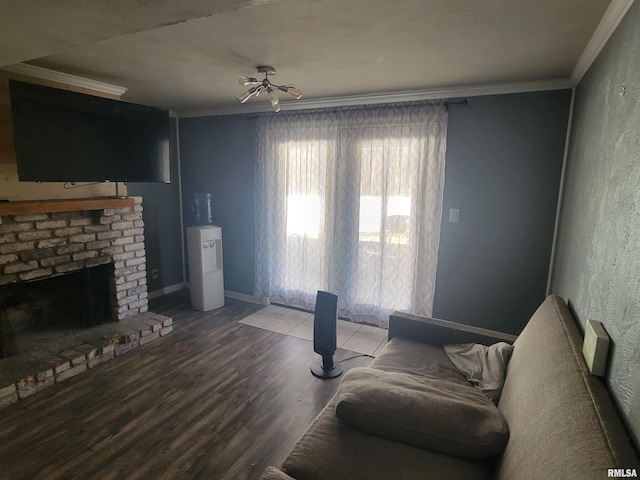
266	85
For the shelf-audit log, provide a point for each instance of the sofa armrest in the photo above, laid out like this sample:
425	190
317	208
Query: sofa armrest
272	473
441	332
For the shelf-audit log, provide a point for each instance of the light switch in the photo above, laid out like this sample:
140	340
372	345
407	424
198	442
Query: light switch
454	215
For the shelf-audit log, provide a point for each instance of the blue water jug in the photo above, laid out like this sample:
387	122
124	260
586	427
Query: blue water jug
201	209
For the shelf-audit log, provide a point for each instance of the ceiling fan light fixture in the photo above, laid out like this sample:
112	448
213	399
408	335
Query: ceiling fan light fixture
275	102
266	84
272	95
244	80
294	92
243	97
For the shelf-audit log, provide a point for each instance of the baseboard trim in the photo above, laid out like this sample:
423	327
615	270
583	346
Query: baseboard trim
244	297
227	293
166	290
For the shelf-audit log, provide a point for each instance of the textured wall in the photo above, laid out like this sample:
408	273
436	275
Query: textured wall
598	258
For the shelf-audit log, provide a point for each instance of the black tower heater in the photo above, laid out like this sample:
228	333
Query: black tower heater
324	335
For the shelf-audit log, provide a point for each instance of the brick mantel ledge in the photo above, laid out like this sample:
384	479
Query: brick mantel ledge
29	207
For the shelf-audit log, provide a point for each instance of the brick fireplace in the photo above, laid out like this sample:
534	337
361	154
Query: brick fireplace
40	245
45	241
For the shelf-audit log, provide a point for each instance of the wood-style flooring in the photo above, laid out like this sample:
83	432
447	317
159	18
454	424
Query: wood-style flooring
213	400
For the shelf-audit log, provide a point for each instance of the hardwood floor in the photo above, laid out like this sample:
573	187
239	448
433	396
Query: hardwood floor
213	400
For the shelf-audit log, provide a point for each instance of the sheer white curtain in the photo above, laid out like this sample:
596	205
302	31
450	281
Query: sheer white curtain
295	198
351	202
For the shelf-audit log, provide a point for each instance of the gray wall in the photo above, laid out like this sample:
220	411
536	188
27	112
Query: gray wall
597	266
504	158
163	242
504	162
217	156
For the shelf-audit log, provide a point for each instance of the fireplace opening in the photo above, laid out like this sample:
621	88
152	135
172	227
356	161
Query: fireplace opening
76	300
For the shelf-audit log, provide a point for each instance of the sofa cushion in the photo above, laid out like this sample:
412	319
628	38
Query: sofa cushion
407	356
330	449
434	414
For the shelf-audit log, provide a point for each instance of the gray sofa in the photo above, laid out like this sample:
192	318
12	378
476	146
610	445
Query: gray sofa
562	423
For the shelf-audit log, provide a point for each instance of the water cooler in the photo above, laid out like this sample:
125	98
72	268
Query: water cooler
204	246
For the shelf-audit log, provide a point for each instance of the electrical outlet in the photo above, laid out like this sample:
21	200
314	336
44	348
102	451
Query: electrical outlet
454	215
155	274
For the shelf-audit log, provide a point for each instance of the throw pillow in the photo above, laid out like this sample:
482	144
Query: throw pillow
433	414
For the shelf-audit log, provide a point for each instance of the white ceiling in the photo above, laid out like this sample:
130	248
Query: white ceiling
186	55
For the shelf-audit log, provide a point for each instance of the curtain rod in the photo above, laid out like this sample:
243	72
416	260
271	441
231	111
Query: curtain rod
464	102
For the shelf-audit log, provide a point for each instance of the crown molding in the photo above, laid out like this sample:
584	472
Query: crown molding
391	97
610	21
46	74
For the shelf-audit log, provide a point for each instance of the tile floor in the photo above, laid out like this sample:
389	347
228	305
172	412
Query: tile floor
351	336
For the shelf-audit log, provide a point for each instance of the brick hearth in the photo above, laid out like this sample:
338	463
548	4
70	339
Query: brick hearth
65	355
